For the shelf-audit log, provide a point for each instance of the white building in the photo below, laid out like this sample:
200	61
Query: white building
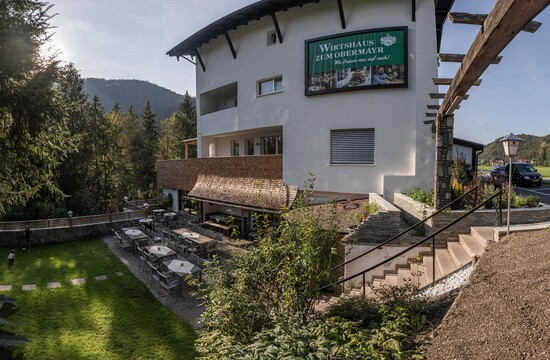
297	80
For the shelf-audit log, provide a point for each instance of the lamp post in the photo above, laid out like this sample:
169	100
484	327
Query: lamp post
70	213
511	145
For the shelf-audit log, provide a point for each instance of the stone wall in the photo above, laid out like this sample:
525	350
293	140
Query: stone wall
414	211
380	226
13	238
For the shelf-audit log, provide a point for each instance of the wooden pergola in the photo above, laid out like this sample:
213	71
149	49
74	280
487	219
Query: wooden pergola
498	29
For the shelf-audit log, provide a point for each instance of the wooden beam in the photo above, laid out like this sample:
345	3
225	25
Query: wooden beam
230	43
432	107
341	11
442	96
503	23
428	122
447	81
413	8
459	57
277	28
200	60
479	19
432	115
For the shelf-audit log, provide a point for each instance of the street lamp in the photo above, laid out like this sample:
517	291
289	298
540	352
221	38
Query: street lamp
70	213
511	145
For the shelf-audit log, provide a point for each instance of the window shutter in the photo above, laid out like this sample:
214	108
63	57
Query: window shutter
352	146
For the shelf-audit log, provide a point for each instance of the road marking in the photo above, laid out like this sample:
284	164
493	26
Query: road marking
536	192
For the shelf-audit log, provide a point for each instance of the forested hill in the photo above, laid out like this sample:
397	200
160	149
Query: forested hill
163	101
531	148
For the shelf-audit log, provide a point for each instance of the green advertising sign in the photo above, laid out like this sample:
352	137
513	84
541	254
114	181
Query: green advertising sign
365	59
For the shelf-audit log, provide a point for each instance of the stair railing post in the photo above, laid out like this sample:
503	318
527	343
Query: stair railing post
364	285
433	260
500	209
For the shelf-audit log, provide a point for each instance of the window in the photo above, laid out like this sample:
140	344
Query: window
272	145
270	86
352	146
249	146
271	37
235	148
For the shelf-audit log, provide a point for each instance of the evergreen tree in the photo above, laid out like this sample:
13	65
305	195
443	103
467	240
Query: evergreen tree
33	136
147	165
185	125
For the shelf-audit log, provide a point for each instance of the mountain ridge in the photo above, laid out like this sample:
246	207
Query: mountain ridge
532	147
131	92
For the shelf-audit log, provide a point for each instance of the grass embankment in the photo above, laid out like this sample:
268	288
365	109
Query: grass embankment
117	318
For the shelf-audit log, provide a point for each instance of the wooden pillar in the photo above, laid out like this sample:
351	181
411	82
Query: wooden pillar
443	159
186	151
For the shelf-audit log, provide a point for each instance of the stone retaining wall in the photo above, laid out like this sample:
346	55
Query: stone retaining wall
380	226
13	238
413	211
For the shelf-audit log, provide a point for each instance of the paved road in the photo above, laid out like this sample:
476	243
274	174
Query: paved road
542	192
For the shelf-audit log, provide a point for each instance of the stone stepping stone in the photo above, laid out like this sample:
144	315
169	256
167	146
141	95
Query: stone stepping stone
53	285
5	287
119	273
78	281
29	287
101	277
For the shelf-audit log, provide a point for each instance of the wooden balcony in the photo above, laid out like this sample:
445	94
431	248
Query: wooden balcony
182	174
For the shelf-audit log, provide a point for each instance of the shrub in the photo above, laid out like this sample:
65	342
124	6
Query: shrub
357	308
422	196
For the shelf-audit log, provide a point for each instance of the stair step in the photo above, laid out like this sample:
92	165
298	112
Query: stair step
459	255
471	245
428	267
417	275
483	234
391	280
403	276
445	261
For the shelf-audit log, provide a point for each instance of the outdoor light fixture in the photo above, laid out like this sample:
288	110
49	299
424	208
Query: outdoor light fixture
70	213
126	199
511	145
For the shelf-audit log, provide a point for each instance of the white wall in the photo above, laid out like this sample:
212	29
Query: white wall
464	151
175	200
404	148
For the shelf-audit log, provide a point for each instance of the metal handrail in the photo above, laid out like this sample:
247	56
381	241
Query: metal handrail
431	236
409	229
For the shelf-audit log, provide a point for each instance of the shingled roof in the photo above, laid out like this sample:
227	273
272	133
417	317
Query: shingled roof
261	194
262	8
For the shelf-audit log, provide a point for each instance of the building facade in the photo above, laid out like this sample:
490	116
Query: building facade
338	88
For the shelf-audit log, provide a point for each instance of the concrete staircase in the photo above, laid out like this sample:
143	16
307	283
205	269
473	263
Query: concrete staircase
449	259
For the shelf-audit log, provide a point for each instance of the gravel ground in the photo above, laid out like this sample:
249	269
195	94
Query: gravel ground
504	310
186	306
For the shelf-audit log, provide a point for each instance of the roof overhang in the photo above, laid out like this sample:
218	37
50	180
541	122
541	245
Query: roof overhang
263	8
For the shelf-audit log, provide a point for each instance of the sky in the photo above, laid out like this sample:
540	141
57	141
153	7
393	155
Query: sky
128	39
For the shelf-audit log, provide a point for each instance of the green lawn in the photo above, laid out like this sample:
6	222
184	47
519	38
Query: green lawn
112	319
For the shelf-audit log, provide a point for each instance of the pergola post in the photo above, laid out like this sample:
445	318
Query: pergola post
444	125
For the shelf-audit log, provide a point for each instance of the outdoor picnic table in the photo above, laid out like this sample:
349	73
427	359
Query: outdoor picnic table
180	267
161	251
193	236
147	222
169	214
134	234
